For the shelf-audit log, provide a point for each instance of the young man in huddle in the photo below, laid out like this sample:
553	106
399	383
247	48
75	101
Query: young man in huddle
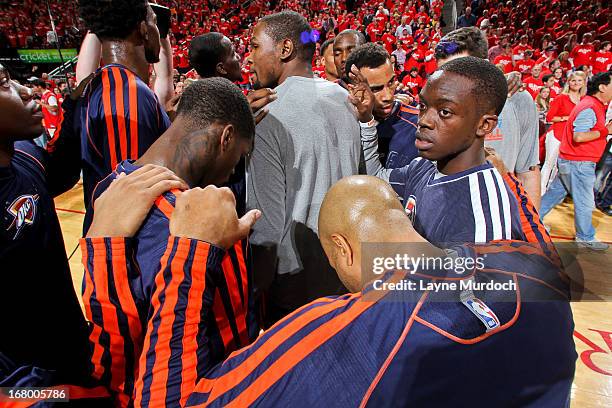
451	193
396	121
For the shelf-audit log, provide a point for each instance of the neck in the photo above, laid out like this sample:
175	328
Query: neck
127	54
7	150
296	68
167	152
472	157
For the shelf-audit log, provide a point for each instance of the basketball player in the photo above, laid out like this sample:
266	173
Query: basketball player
515	138
44	335
451	193
344	43
120	117
213	129
396	122
214	55
368	348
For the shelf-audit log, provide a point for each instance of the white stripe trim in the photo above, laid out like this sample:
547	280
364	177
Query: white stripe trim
493	205
429	183
505	204
480	226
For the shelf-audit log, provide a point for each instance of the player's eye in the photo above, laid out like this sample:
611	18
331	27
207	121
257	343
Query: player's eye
445	113
422	107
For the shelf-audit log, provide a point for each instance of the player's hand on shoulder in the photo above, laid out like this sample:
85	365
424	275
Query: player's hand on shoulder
121	209
209	214
360	95
260	98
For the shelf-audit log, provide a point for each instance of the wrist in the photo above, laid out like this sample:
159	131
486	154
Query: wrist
366	123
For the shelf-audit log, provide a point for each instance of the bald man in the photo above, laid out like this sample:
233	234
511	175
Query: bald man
373	347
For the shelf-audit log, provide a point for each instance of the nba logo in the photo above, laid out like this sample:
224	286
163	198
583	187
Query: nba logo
411	208
482	312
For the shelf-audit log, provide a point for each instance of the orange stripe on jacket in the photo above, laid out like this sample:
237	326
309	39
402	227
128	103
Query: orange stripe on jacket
109	319
133	97
193	309
235	299
108	116
160	284
297	354
393	352
120	113
163	350
528	227
245	287
126	300
94	336
242	370
222	321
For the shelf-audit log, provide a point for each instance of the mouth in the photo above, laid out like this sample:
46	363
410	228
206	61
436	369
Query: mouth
423	143
387	109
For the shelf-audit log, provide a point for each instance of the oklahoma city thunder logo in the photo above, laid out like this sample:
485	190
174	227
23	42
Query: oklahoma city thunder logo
411	208
23	209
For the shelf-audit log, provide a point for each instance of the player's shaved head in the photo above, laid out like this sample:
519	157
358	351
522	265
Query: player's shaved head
360	209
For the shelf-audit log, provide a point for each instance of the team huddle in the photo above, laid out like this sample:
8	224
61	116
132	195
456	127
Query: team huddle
224	243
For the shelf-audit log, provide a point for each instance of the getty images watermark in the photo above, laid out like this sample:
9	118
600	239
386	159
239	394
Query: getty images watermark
435	273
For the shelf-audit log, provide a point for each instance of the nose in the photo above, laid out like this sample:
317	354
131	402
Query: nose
425	119
387	94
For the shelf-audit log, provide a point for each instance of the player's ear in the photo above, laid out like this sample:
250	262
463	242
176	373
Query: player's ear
486	125
143	31
221	69
227	137
286	50
342	247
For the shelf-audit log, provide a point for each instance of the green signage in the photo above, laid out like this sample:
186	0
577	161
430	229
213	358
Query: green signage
46	56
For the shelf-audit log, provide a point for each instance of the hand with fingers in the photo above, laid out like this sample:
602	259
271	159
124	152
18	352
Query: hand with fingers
404	99
209	214
260	98
121	209
515	84
361	95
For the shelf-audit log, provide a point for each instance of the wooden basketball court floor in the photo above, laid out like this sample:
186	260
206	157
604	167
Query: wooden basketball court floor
593	320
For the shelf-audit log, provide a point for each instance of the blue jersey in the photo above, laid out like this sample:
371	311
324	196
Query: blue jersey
399	132
119	306
377	348
475	205
119	119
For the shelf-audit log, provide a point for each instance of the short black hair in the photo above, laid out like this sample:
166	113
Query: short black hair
39	82
216	100
489	86
361	39
466	39
113	19
603	78
368	55
205	52
293	26
545	78
326	43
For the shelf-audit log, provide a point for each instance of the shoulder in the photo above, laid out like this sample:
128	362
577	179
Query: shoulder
27	151
520	101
